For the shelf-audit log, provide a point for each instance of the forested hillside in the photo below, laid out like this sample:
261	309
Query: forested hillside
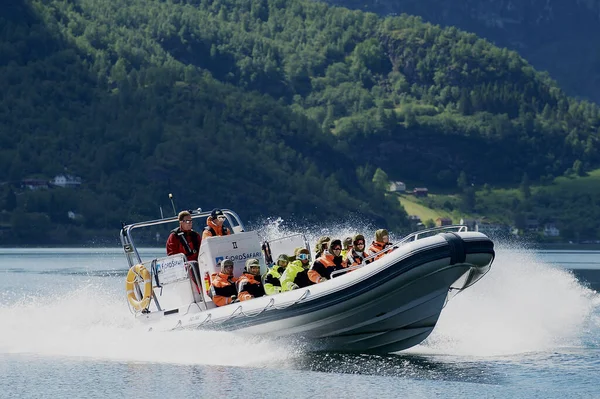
558	36
272	108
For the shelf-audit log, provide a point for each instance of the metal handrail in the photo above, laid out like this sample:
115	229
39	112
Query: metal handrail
415	236
128	244
345	270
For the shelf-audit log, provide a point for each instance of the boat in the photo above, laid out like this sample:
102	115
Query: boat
388	305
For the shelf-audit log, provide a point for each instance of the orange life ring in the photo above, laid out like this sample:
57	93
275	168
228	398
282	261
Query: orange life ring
136	273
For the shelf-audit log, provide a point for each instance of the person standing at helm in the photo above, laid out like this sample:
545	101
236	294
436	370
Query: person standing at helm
358	253
248	287
184	240
296	273
382	242
271	280
214	225
329	262
223	288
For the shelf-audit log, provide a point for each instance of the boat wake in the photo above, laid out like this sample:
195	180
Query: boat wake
89	324
523	305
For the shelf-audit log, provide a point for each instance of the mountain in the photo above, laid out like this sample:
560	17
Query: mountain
271	108
557	36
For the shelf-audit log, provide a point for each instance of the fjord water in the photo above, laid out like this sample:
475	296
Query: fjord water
528	329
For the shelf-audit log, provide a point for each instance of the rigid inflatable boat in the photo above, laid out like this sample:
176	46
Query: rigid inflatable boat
388	305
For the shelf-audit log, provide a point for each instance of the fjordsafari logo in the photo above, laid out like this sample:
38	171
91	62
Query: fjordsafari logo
239	257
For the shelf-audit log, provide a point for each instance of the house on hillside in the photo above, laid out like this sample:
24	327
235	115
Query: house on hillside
397	186
34	184
443	222
420	192
472	224
494	229
550	230
66	181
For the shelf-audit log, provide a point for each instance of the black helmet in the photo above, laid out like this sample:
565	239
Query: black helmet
216	212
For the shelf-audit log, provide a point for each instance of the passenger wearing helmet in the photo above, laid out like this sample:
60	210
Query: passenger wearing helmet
322	245
214	225
296	273
223	287
358	253
381	243
347	246
248	286
329	262
271	280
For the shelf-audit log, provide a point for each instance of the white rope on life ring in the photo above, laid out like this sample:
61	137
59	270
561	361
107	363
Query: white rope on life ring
135	274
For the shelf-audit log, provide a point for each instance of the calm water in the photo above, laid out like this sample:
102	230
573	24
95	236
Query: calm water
527	330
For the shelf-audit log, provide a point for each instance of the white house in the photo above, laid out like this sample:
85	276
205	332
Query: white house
66	181
493	229
550	230
397	186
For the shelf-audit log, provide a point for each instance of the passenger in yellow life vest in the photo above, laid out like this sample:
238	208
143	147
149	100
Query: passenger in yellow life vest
347	246
248	286
296	273
329	262
382	242
271	280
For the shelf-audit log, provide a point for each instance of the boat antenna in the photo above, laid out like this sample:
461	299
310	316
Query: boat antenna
172	204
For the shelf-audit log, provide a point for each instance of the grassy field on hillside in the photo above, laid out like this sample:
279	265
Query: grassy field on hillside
588	184
499	204
423	209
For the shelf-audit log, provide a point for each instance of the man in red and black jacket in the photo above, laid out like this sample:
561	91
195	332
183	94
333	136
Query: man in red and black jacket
184	240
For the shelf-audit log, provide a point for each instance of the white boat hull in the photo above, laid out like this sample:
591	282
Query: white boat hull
387	306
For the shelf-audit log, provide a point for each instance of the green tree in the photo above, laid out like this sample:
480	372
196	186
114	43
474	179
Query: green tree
10	200
380	180
462	182
524	187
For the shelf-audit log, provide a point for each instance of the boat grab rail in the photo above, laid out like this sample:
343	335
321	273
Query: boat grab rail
271	304
459	228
